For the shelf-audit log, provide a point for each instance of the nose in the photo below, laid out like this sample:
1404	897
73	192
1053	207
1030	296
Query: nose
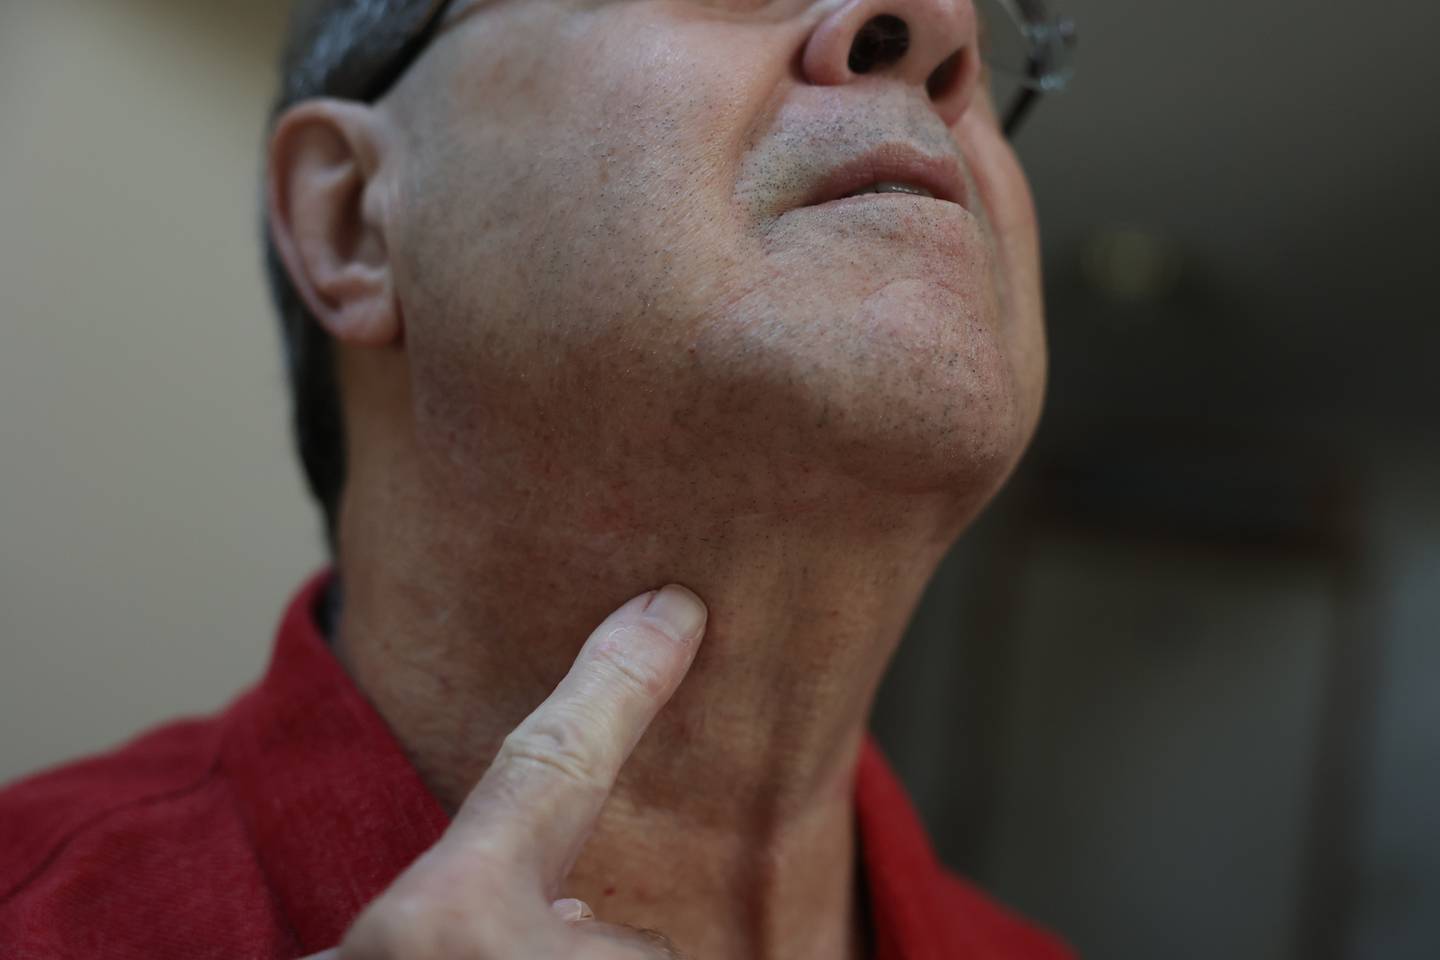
930	44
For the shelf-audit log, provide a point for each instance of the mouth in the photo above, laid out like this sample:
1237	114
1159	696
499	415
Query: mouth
893	170
891	186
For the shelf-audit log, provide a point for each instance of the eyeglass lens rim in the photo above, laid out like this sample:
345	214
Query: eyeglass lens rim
1030	12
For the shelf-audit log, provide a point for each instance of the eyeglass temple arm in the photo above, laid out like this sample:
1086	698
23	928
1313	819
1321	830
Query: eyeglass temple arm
1024	100
426	28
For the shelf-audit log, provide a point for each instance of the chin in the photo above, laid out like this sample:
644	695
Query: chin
928	436
905	403
918	385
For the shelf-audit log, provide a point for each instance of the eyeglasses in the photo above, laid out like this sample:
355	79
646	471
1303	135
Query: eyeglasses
1027	49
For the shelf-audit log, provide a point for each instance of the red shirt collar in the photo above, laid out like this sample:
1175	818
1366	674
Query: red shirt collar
334	808
336	812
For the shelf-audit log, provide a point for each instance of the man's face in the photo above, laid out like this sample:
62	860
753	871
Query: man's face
613	260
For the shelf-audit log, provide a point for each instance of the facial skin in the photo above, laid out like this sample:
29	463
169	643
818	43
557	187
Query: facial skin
601	225
593	340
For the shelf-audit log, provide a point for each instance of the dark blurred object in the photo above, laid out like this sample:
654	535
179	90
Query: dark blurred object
1175	694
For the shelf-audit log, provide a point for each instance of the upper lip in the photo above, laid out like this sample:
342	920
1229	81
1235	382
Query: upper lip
896	162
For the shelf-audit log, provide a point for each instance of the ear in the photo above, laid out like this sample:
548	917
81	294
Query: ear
327	210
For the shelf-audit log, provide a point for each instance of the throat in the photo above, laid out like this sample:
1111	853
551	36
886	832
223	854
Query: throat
770	888
732	824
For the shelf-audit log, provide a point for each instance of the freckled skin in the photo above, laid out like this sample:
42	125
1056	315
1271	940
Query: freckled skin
628	359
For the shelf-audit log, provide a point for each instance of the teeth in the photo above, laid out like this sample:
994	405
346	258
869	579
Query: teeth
892	186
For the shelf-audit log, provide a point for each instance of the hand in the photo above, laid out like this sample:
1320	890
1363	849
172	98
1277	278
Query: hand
486	890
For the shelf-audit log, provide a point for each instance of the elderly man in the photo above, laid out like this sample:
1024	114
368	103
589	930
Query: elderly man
585	299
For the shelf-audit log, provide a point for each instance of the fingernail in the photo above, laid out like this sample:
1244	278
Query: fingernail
570	910
679	611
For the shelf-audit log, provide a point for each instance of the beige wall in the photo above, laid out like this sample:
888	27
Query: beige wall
151	520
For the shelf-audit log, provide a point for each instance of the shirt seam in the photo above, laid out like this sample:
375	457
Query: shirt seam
281	908
53	854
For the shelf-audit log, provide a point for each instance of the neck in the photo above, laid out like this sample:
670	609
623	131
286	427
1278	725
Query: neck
732	826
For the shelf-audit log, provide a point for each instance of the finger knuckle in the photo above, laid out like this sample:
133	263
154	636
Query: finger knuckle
397	925
560	743
657	944
636	943
418	925
627	657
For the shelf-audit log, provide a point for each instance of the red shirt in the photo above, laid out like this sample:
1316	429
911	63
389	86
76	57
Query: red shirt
262	831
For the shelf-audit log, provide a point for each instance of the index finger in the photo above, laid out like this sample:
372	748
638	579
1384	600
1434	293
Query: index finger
536	804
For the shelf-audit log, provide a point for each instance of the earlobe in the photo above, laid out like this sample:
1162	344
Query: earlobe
327	218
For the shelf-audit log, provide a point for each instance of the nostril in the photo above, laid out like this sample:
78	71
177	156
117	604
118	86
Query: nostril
942	79
881	41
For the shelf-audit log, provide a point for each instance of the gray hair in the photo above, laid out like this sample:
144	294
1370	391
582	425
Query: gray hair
353	50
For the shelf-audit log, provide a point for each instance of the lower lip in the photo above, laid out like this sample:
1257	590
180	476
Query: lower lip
887	217
933	205
891	195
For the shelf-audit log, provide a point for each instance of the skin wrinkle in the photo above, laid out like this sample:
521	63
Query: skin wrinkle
627	361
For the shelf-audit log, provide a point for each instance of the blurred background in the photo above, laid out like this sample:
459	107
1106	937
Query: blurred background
1175	695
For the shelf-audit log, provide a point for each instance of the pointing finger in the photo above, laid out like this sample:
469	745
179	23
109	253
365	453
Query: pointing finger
537	802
